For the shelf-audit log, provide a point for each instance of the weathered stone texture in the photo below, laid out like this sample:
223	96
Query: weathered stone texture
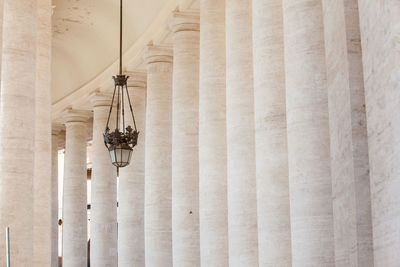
242	196
273	209
380	31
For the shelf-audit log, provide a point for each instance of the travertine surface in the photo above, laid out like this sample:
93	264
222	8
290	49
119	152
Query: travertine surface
17	128
75	193
158	236
308	134
54	196
103	213
348	135
380	31
42	185
185	151
242	197
212	136
273	209
131	183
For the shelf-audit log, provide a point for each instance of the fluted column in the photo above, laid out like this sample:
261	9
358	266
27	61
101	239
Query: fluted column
212	136
42	185
380	31
131	182
308	134
270	130
158	236
103	215
75	190
348	135
17	128
54	195
242	199
185	118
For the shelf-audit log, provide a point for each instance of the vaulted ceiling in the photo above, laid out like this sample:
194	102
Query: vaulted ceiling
86	38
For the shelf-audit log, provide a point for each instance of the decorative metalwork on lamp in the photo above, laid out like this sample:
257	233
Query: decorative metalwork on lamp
120	143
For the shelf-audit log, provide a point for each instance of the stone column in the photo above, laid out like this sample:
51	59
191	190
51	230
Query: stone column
42	186
75	190
103	215
380	31
270	130
158	236
54	195
308	134
242	198
185	119
348	135
131	182
17	128
212	136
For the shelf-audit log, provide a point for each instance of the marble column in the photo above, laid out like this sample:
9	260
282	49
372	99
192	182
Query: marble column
308	134
75	190
242	197
103	215
380	31
270	130
17	128
185	119
42	186
131	182
158	236
54	195
212	136
348	135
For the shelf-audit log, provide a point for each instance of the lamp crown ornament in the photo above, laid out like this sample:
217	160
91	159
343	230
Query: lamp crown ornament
120	143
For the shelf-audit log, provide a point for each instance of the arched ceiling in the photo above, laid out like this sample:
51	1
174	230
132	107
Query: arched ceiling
86	38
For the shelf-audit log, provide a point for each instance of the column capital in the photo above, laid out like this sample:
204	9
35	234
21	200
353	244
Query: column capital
73	115
137	78
158	53
100	99
184	21
56	129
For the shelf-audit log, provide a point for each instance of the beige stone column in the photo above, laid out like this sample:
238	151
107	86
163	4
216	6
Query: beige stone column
308	134
212	136
242	198
380	31
54	195
158	236
42	186
17	128
131	182
103	215
185	119
270	130
75	190
348	135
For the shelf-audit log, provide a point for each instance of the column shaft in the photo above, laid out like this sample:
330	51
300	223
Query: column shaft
270	131
131	183
75	192
242	199
103	216
158	236
185	119
54	198
212	136
17	128
380	31
308	134
348	135
42	186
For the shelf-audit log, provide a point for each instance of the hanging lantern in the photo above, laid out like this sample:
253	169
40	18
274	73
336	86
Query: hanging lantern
120	143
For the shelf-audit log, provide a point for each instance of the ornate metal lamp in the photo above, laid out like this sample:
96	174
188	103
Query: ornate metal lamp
120	143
